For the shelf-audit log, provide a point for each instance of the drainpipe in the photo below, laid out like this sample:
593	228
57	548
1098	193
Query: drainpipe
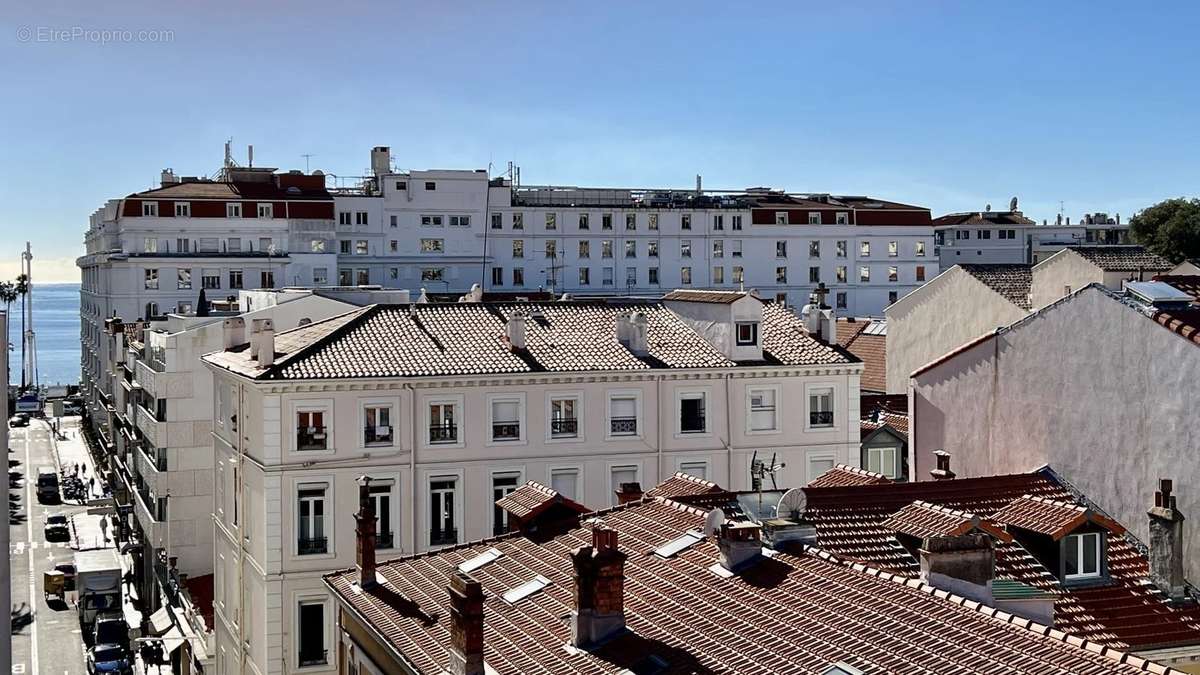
412	471
241	392
729	429
658	413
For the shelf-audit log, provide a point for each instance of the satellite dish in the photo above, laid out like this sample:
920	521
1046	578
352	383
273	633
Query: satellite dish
1012	204
713	522
792	504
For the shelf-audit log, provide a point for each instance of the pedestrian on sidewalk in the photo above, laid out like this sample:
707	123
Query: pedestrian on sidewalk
128	579
91	485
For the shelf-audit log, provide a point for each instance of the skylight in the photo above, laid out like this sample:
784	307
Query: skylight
526	589
679	544
480	560
842	668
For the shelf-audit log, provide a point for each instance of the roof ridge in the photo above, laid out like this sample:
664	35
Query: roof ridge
360	312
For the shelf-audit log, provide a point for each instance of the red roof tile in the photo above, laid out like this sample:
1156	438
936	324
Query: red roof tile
533	498
842	475
1051	517
894	420
921	519
682	485
870	348
791	613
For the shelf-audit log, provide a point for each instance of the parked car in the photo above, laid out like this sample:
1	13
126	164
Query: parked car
47	485
109	659
111	629
57	528
19	420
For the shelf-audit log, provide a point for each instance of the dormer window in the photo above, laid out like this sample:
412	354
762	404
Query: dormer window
747	334
1082	556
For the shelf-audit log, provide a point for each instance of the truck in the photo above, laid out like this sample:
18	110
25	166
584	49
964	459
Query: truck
98	583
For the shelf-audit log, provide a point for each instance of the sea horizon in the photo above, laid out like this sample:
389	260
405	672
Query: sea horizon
56	330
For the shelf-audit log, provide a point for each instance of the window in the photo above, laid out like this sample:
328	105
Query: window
233	210
443	422
630	221
551	221
460	221
920	249
151	309
814	217
814	249
893	296
864	249
652	276
551	248
618	476
685	221
652	249
685	248
842	218
210	279
814	275
377	425
565	482
564	417
761	416
1081	556
606	276
606	248
719	222
393	273
781	275
691	413
818	466
747	333
630	248
150	245
841	299
360	247
208	245
311	637
344	246
235	279
401	185
430	185
735	248
718	275
920	273
266	279
381	494
431	221
345	277
183	279
149	208
518	248
311	538
840	247
183	209
781	218
882	460
652	221
820	408
738	275
696	469
320	276
433	274
893	249
506	419
267	210
182	245
502	485
183	307
631	276
685	275
893	273
234	244
781	249
394	221
622	415
497	276
962	234
150	279
736	221
606	221
442	524
394	245
984	234
311	433
840	274
431	245
518	276
343	217
864	274
497	221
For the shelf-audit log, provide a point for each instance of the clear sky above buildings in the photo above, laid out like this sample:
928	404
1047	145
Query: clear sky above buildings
949	105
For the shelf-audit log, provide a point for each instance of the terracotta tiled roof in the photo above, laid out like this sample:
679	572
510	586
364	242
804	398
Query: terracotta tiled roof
1051	517
842	475
1188	283
532	498
893	420
468	338
1184	322
1122	258
1013	281
791	613
713	297
681	485
870	348
921	519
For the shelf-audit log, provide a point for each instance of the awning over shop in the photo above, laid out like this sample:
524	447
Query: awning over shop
160	621
173	640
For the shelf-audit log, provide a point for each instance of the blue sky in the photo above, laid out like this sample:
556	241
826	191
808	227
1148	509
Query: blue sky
948	105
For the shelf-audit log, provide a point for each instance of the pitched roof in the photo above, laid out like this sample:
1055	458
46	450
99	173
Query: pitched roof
468	338
885	418
1051	517
790	613
207	189
1012	281
983	218
921	519
862	338
711	297
682	484
1188	283
842	475
533	498
1122	258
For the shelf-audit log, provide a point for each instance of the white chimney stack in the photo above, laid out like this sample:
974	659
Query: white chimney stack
515	330
234	331
262	341
632	332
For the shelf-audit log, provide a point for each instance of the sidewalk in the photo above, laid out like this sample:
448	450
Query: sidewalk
71	450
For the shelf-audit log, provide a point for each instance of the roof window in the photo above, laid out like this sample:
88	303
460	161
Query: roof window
485	558
518	593
679	544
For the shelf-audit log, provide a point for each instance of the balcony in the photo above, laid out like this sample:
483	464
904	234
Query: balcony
312	545
385	540
443	537
623	426
820	418
506	431
564	428
443	433
311	438
377	435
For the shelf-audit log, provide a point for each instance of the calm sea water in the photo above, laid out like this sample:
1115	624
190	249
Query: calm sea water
56	322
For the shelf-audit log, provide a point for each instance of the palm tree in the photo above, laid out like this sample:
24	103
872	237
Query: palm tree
8	295
21	287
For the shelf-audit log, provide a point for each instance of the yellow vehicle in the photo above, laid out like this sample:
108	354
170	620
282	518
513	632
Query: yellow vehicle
54	583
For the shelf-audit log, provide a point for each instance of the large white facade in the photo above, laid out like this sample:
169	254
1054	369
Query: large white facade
989	237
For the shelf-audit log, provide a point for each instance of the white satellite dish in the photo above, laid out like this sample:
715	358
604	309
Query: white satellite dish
792	504
713	522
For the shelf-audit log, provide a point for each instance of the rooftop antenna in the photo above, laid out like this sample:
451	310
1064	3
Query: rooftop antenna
759	470
307	156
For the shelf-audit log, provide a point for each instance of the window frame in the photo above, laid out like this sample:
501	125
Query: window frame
612	467
393	406
751	391
704	394
458	401
265	209
428	478
324	482
682	462
307	598
1080	576
323	406
639	413
809	391
576	469
892	471
574	395
517	472
233	209
522	430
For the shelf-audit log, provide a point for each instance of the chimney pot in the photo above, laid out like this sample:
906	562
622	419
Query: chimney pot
942	471
234	331
1166	543
599	611
515	330
739	544
466	625
632	332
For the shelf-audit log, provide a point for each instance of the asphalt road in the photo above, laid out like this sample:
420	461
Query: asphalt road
53	643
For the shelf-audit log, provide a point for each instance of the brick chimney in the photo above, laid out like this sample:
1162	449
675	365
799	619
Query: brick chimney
365	535
629	492
942	470
739	544
466	625
1166	543
599	589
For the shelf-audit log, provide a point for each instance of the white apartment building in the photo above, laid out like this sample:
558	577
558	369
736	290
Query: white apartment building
1009	237
443	231
449	407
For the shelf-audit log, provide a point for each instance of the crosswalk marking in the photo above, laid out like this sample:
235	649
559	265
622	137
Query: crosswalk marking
19	547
